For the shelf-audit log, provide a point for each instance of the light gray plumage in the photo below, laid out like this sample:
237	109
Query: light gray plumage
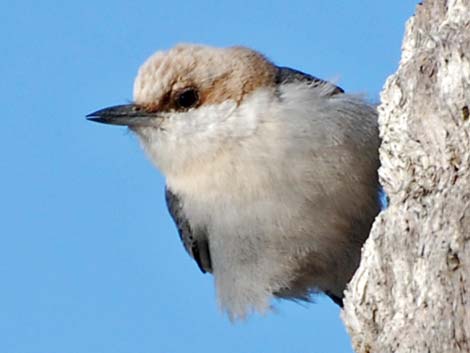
271	173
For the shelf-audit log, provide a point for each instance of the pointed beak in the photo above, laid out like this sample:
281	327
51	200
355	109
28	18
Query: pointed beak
127	115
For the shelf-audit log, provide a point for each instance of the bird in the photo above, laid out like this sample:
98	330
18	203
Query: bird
271	173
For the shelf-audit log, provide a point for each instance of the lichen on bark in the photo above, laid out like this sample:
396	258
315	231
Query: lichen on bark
411	292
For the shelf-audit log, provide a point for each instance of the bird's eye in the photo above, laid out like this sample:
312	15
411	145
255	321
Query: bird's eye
187	98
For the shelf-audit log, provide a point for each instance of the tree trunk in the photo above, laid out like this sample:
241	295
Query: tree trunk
411	292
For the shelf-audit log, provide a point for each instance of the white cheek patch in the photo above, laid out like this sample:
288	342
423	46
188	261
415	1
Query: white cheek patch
187	139
202	122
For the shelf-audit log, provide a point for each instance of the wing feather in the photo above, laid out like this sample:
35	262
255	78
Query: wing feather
195	241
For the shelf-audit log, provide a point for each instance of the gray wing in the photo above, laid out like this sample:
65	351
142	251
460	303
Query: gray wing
337	300
288	75
194	240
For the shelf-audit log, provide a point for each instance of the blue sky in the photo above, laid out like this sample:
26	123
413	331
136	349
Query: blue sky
89	258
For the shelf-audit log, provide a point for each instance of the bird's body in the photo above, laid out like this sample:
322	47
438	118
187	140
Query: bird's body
271	173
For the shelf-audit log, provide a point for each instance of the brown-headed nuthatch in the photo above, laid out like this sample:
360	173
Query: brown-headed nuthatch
271	173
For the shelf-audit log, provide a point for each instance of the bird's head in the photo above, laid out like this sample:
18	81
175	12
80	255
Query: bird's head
193	101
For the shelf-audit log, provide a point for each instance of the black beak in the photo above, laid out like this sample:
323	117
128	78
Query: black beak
127	114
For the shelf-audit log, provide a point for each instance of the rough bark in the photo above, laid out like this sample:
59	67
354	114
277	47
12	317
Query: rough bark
412	290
